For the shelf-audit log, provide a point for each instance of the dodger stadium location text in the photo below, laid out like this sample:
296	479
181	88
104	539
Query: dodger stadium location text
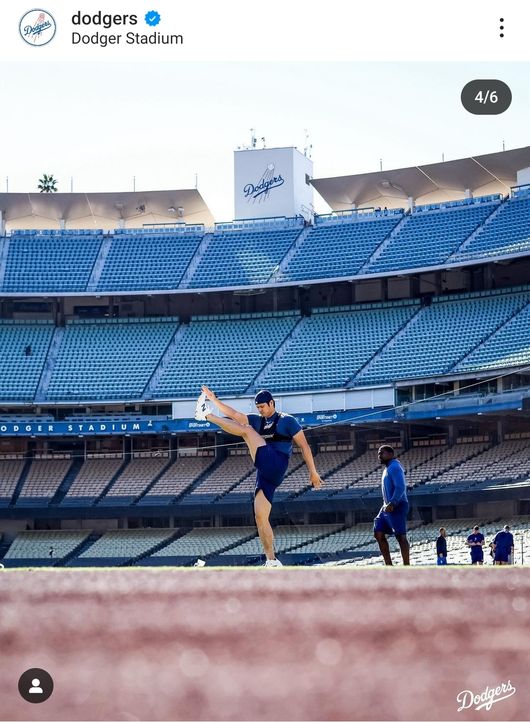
130	38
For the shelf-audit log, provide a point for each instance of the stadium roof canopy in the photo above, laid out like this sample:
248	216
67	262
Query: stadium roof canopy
102	210
434	183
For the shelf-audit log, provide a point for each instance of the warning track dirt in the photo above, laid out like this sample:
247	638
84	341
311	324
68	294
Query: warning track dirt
267	644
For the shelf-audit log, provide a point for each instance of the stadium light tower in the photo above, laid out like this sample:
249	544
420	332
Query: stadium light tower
308	147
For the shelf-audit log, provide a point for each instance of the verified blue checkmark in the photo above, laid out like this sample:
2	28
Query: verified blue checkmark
152	18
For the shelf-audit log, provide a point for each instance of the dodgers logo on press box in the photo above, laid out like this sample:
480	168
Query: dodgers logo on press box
263	187
37	27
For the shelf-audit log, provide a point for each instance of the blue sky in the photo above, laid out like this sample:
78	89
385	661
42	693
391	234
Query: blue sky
103	123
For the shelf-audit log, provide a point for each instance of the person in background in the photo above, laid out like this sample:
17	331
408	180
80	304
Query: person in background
503	546
475	542
441	548
392	517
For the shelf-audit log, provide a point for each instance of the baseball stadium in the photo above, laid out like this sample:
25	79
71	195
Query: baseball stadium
133	566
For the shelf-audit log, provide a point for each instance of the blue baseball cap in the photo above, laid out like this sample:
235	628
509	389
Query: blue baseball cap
263	397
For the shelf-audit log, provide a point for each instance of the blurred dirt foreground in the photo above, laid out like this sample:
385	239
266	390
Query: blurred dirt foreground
268	644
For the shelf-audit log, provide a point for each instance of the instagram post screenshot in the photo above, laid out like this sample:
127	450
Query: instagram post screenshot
264	361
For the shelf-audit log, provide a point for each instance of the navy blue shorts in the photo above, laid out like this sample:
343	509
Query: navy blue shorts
271	466
393	522
502	555
477	557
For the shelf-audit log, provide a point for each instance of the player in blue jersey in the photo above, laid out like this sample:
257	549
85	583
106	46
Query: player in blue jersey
269	436
503	546
475	542
392	518
441	548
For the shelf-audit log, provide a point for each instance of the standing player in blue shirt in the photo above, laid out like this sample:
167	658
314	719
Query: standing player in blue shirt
503	546
441	548
392	518
475	542
269	436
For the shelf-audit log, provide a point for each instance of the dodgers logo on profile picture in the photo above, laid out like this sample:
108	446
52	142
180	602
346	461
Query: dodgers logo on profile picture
37	27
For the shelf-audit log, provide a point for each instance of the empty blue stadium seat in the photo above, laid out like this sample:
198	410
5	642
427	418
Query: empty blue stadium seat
20	371
147	261
428	238
330	348
241	257
441	335
50	262
508	232
108	360
225	354
340	248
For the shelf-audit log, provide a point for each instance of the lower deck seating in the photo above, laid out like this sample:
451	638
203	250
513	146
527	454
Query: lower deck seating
43	480
231	545
423	542
177	478
285	538
45	544
205	542
298	480
229	473
90	482
10	471
133	480
126	543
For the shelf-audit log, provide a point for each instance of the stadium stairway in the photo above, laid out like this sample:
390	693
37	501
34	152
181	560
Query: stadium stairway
149	391
387	344
80	548
111	482
290	550
51	358
489	336
278	275
153	482
365	268
276	355
20	482
4	252
99	263
218	560
236	483
182	531
195	260
4	546
213	558
307	488
195	483
66	483
453	258
449	468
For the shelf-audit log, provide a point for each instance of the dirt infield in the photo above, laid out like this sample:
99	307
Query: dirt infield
266	644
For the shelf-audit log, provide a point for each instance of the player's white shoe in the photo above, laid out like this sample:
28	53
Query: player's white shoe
273	563
203	408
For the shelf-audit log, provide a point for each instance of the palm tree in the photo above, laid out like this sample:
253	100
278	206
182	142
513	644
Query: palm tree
47	184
